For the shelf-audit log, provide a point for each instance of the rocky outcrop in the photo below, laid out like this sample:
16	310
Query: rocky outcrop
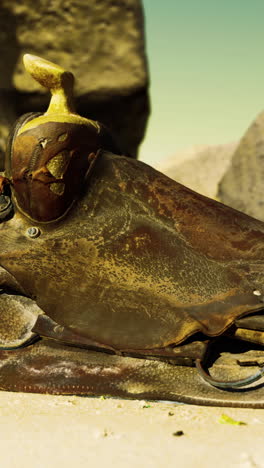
202	169
242	186
233	173
101	42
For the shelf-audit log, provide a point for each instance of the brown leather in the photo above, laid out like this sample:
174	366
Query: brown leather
34	184
140	262
50	367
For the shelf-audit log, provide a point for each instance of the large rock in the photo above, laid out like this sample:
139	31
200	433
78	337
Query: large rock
101	42
202	168
242	186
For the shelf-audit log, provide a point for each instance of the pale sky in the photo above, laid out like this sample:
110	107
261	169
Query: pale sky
206	66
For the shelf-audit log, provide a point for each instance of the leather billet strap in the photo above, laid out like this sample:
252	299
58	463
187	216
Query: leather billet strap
184	355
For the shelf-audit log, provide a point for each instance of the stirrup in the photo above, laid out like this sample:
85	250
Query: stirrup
232	384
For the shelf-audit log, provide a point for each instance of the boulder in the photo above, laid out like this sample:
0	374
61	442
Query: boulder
102	43
242	185
201	167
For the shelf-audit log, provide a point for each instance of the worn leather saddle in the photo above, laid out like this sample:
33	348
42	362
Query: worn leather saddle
116	280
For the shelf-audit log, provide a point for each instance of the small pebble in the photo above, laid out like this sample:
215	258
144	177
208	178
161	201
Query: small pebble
178	433
98	434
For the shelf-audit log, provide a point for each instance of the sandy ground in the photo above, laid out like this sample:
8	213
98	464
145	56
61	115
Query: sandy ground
67	431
